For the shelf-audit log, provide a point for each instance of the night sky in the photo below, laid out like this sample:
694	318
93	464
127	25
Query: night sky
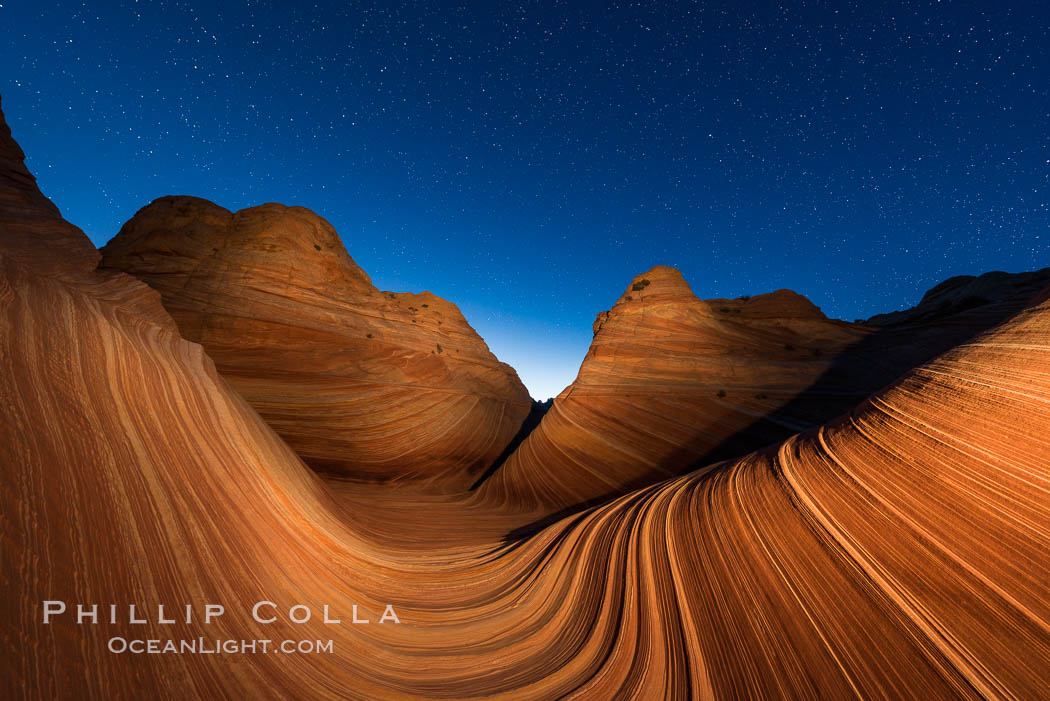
526	161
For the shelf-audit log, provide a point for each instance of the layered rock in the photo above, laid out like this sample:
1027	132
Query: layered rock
370	384
131	470
963	293
23	208
900	551
670	382
673	383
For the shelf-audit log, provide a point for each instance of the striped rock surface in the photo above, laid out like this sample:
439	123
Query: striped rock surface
899	551
370	384
672	383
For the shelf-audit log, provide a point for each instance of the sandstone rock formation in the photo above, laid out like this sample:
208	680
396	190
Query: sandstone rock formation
669	381
964	293
673	383
899	551
24	209
375	385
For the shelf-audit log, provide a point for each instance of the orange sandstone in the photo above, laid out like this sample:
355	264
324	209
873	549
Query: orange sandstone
898	551
673	383
369	384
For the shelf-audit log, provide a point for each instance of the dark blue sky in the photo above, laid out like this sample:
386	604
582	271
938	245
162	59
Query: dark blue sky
525	161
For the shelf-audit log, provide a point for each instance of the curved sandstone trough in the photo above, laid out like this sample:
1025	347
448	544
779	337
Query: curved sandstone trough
898	551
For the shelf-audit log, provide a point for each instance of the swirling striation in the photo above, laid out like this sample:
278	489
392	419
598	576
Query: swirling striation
672	383
900	551
373	385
